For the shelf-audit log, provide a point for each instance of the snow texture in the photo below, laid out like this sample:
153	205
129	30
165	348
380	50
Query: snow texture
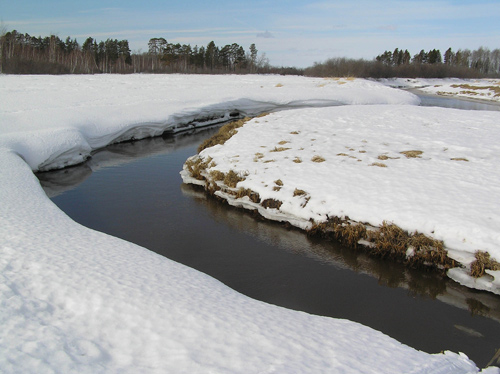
74	300
476	89
449	191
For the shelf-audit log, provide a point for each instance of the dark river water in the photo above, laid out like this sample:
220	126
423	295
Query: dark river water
133	191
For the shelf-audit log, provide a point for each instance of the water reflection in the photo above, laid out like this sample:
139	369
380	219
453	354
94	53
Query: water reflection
133	191
417	282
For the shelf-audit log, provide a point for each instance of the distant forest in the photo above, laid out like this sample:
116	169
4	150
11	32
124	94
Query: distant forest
25	54
479	63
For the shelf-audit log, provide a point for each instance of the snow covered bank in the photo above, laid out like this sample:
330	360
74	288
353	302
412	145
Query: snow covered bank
69	116
476	89
430	170
77	301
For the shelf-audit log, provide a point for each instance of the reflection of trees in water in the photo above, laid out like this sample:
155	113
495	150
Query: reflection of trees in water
55	182
477	308
421	283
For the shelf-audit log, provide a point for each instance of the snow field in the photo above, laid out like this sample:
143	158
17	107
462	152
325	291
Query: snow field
448	190
73	300
477	89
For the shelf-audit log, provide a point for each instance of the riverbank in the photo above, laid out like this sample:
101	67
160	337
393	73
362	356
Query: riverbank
76	300
478	90
416	184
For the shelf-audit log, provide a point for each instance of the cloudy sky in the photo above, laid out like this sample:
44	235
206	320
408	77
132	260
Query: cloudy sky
290	32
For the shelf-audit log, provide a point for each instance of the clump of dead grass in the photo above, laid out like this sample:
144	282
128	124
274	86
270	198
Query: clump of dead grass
298	192
279	85
223	135
196	166
387	241
279	149
217	175
295	133
253	196
231	179
459	159
278	182
258	156
415	249
283	142
297	160
379	164
271	203
340	229
317	159
412	154
483	262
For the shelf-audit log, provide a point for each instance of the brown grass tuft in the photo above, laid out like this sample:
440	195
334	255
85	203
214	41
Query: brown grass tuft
412	154
295	133
217	175
232	178
297	160
298	192
318	159
271	204
279	149
459	159
278	182
223	135
254	196
196	166
483	261
379	164
283	142
279	85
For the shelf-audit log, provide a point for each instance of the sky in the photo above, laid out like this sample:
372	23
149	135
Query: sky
289	32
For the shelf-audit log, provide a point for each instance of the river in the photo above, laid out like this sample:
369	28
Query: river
133	191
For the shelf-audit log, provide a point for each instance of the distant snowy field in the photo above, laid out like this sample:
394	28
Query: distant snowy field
73	300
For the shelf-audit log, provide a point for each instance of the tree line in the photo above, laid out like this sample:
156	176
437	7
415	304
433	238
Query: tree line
26	54
478	63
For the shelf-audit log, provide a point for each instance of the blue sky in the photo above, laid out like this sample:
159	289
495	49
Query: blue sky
289	32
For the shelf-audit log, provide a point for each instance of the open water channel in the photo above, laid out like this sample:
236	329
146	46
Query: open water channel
133	191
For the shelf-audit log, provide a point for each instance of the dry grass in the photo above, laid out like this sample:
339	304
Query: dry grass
483	261
388	241
297	160
295	133
196	166
469	89
253	196
217	175
283	142
393	242
278	182
379	164
279	85
298	192
279	149
412	154
459	159
340	229
343	154
231	179
317	159
271	204
383	157
223	135
258	156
